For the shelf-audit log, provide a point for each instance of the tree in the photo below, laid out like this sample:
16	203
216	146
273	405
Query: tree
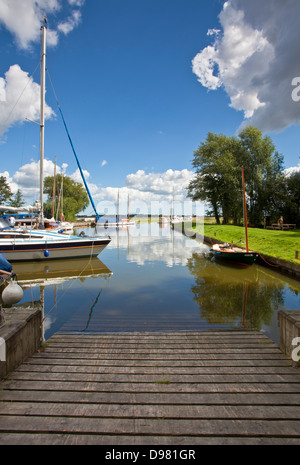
75	198
5	192
17	200
291	207
217	180
263	167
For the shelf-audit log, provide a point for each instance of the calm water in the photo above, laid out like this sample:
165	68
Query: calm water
154	279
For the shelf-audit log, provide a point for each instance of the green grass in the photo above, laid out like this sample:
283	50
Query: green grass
275	243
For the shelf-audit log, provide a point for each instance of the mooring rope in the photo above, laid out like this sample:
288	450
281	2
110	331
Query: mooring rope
270	264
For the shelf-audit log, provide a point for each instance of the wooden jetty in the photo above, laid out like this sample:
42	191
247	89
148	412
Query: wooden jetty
175	388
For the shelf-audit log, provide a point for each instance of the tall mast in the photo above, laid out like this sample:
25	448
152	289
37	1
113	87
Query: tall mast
54	177
245	210
42	120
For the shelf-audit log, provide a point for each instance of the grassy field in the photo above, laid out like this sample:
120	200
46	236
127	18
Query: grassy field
278	244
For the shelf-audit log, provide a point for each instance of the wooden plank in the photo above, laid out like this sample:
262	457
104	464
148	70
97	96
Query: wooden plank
208	362
157	378
156	398
159	370
153	387
137	426
148	441
51	409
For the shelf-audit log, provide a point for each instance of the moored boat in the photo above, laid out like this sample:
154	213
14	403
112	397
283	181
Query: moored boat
232	253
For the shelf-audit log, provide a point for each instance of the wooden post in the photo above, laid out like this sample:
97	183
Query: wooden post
296	255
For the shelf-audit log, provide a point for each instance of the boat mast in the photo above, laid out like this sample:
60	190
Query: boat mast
53	203
245	210
42	121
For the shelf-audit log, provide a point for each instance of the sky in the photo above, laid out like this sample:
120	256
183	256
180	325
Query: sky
140	85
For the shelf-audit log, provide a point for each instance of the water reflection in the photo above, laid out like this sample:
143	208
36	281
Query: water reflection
227	294
52	285
155	279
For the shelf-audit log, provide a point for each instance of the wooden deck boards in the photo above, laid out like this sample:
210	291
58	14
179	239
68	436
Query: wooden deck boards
187	388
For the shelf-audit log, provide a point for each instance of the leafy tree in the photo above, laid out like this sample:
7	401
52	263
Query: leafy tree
5	192
263	167
17	200
291	206
75	198
217	181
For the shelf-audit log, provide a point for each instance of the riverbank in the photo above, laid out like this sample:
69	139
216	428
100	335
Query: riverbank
276	248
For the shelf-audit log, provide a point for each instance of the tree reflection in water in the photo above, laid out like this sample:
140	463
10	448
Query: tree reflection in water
231	295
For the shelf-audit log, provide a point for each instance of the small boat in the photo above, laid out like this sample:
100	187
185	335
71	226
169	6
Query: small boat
106	222
116	224
232	253
17	244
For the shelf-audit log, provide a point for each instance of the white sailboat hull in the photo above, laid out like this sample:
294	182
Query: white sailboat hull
29	255
46	246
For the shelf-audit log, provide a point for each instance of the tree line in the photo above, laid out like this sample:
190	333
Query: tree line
69	195
270	192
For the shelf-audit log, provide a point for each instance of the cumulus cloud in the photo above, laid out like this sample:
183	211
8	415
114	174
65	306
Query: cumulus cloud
19	94
255	58
19	99
168	183
23	19
292	170
155	191
67	26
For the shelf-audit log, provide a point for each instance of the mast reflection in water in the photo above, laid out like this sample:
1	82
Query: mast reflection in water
155	279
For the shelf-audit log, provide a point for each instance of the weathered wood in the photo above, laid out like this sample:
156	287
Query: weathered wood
214	387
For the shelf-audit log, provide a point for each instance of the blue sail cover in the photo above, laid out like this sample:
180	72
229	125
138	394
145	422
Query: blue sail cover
4	264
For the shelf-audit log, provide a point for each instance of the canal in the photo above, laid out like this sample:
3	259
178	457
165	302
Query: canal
151	278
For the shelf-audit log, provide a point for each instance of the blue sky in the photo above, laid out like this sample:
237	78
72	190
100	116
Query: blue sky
140	84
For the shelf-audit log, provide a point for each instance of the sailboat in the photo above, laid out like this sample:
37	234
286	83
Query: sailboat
232	253
120	222
18	244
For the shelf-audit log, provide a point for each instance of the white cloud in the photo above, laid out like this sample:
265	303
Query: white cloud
67	26
165	184
19	99
153	190
104	162
255	59
23	19
76	2
292	170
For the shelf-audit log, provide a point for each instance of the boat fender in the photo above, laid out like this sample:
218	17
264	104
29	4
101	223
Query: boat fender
46	253
12	294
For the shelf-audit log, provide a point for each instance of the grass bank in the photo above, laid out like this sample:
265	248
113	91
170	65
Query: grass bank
278	244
